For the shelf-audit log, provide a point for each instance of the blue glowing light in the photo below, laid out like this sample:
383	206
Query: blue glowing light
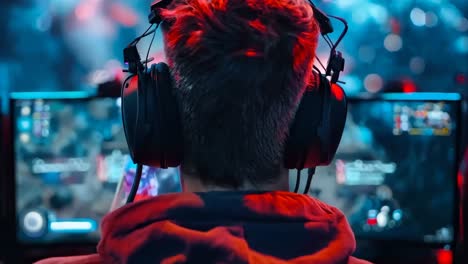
51	95
397	215
24	124
73	226
461	44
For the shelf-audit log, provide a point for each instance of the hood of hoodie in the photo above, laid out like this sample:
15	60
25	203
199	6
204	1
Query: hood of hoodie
227	227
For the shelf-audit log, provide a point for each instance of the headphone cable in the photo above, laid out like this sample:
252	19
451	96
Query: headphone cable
151	44
343	33
135	184
146	33
310	175
298	180
321	64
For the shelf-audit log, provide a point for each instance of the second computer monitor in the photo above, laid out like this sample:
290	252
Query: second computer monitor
69	156
394	175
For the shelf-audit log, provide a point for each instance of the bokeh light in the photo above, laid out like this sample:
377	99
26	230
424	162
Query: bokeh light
417	65
393	42
431	19
79	43
418	17
461	44
373	83
463	25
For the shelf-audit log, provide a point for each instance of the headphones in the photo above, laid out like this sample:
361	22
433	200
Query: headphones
152	121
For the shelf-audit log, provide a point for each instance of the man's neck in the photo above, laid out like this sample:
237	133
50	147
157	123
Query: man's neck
193	184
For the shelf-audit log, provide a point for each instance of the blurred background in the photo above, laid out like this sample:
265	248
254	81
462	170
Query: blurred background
51	45
76	45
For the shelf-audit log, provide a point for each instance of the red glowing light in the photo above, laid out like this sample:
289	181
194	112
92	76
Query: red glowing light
460	78
251	53
131	86
372	221
258	25
444	256
395	26
337	91
194	38
460	179
409	86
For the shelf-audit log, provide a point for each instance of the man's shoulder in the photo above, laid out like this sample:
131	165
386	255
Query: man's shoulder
85	259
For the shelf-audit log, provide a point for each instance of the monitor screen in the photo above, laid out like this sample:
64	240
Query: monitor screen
394	175
70	155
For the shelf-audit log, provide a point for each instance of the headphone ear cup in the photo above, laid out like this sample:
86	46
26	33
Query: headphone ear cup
152	121
171	125
316	130
147	146
129	112
303	140
335	109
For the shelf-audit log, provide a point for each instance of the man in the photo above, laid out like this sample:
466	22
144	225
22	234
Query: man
240	69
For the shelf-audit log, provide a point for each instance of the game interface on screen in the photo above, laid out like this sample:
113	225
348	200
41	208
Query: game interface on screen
70	156
393	175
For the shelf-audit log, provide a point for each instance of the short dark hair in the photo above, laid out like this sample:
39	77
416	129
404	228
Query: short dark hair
240	68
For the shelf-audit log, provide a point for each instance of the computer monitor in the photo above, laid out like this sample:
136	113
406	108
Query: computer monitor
69	156
394	175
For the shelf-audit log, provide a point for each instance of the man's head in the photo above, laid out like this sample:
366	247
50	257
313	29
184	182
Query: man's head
240	68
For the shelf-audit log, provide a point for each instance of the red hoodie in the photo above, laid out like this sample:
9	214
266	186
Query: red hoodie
224	227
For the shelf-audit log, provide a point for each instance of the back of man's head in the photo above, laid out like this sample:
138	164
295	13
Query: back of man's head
240	68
